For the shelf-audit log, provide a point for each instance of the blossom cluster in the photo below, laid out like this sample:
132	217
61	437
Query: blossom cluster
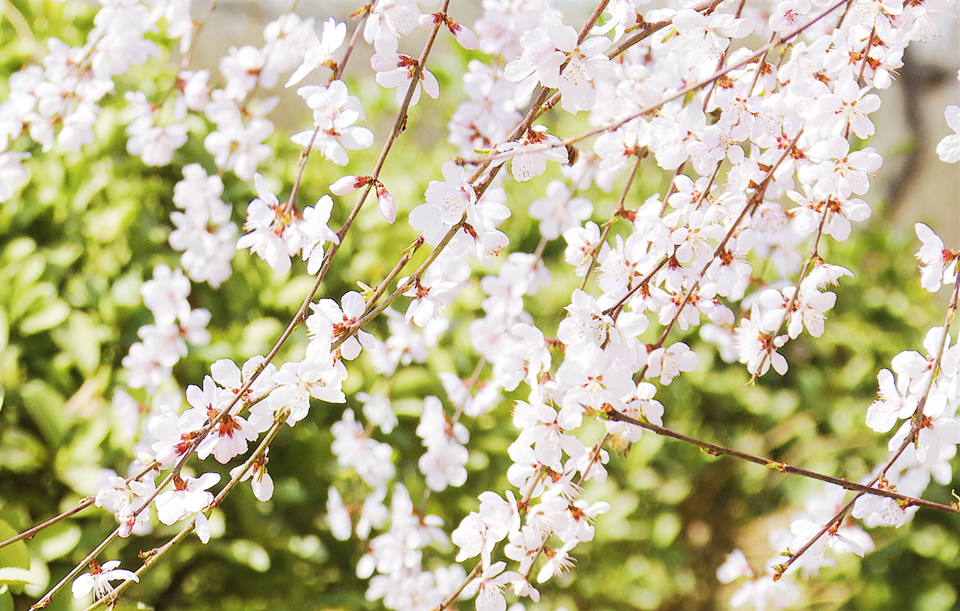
762	162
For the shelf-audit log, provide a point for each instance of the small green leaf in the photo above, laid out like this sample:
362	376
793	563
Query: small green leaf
15	555
79	339
50	316
45	406
14	576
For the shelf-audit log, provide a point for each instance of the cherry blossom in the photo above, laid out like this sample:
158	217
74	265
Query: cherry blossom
396	72
938	266
334	113
317	52
99	578
559	212
188	496
527	164
668	363
893	403
949	147
488	587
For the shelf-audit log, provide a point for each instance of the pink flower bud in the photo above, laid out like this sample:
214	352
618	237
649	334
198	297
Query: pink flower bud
349	184
429	20
465	36
388	207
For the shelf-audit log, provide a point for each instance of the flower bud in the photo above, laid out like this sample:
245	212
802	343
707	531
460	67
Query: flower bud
349	184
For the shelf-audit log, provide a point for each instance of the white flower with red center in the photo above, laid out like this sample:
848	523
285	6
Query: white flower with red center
388	21
708	34
585	322
668	363
841	172
174	434
431	295
453	195
189	496
99	578
807	217
329	323
547	437
695	241
126	501
318	52
546	50
616	148
937	438
758	348
558	561
395	71
246	68
938	265
474	536
297	382
488	587
581	244
875	510
529	155
334	113
807	310
229	438
269	229
847	106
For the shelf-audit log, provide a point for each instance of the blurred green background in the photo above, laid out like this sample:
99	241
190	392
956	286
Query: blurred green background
77	242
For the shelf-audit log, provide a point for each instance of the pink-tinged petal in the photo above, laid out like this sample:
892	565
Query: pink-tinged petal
465	36
202	528
430	84
349	184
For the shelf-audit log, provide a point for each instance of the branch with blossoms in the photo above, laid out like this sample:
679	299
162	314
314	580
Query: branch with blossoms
739	138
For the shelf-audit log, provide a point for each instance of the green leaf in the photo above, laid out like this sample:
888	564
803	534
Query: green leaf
14	576
79	339
45	406
20	451
52	315
57	540
15	555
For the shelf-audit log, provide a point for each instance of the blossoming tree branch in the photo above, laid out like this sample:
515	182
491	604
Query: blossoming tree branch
752	116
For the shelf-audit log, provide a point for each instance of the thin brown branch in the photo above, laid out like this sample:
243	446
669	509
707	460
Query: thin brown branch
718	450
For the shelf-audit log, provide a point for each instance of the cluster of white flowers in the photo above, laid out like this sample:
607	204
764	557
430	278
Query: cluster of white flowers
203	230
761	167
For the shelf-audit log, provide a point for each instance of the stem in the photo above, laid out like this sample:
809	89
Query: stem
29	534
718	450
617	212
